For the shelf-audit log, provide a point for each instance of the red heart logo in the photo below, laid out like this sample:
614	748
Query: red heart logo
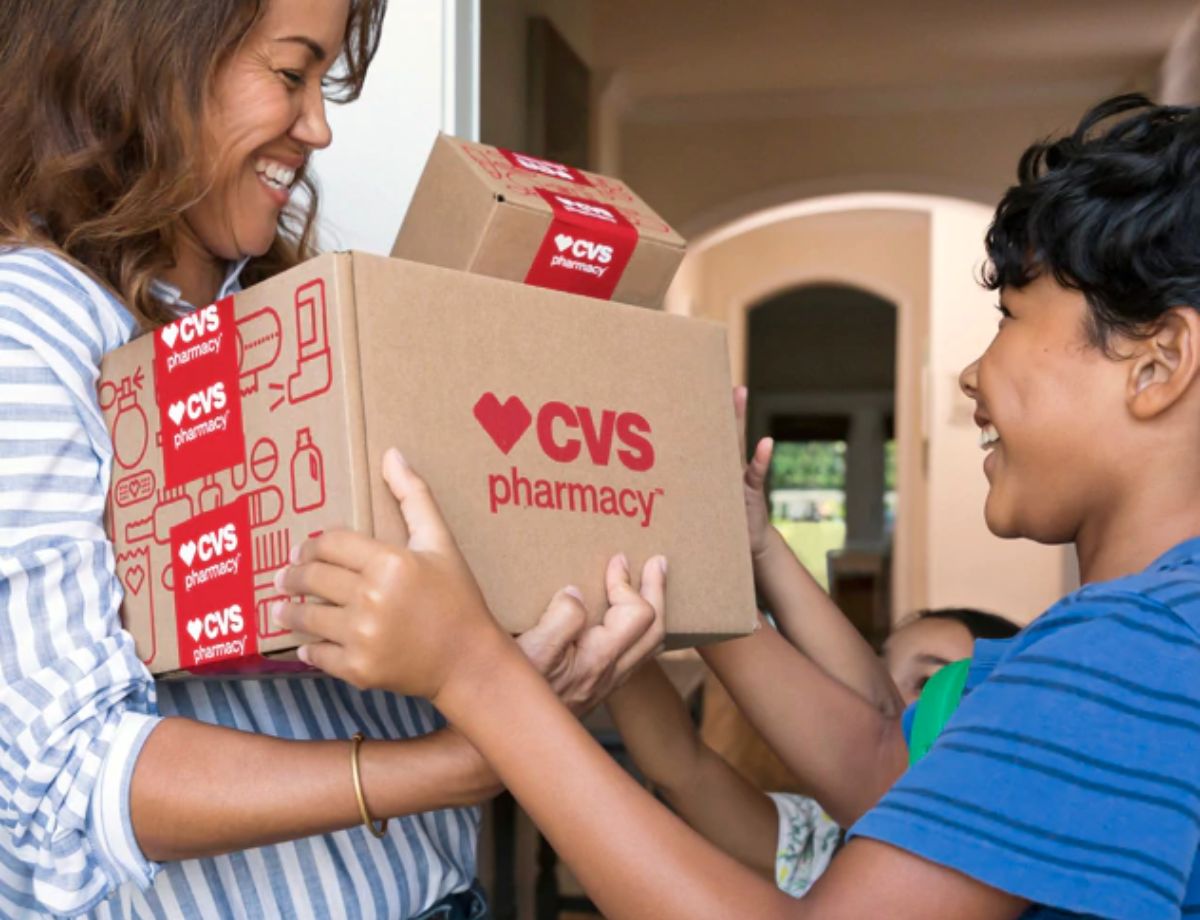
505	422
135	576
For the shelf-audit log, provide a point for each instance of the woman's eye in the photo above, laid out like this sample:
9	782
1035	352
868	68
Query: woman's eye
292	77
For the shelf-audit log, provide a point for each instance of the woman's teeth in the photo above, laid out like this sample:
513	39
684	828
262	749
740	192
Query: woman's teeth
275	175
988	436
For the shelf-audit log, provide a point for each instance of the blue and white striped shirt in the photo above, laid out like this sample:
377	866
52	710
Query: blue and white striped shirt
76	703
1070	774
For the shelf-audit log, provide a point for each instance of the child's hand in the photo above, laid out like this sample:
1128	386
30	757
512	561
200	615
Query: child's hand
396	618
584	664
754	479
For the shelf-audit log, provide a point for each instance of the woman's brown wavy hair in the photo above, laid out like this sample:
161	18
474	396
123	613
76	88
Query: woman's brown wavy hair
99	125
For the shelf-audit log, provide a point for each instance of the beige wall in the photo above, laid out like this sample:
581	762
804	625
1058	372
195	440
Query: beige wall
699	174
968	566
503	30
1179	80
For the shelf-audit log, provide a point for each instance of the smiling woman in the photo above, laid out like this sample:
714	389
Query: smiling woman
134	112
152	149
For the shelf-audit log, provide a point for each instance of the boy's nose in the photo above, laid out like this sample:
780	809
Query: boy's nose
968	380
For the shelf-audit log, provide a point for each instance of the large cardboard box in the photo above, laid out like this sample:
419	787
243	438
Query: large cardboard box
555	430
495	212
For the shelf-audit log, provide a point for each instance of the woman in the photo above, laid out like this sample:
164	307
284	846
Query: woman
151	150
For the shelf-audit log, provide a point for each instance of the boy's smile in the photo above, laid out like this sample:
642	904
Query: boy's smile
1047	406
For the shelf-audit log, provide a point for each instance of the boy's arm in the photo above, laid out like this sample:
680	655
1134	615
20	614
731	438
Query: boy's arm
698	783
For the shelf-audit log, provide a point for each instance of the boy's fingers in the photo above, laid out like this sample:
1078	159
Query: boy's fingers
426	528
345	548
760	464
329	582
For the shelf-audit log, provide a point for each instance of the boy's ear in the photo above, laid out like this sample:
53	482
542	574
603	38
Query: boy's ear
1165	365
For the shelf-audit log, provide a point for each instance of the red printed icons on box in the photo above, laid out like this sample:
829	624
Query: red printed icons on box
214	586
586	249
199	402
545	168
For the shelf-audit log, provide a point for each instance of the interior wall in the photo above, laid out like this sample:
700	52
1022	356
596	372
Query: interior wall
882	249
968	566
702	173
504	30
1179	79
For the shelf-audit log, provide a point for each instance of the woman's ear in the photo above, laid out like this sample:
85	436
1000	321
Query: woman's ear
1165	364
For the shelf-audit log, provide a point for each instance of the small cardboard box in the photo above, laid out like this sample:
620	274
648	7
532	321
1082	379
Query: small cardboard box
491	211
555	431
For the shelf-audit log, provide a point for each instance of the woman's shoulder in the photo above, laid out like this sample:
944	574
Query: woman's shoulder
45	296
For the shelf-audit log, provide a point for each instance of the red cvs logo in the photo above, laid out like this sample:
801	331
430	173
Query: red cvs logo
565	433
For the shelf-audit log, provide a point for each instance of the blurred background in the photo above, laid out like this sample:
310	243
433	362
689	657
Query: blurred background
834	167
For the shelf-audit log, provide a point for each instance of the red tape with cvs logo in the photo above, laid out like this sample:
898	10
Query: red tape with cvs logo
199	403
586	249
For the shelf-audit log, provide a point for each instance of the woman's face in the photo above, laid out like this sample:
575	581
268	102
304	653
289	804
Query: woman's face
265	115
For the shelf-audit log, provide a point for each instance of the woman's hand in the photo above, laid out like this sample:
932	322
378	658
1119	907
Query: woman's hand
584	664
395	618
754	480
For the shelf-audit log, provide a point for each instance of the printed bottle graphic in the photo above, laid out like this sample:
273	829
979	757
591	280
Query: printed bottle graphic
308	474
314	372
130	431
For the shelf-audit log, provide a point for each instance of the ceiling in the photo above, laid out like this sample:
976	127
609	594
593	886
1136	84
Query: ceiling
690	50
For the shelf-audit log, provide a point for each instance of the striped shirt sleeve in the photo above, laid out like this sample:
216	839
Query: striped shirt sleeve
76	703
1069	776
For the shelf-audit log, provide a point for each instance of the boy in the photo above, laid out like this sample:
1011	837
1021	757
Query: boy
1067	783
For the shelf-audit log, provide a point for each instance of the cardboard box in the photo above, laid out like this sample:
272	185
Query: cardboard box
555	431
494	212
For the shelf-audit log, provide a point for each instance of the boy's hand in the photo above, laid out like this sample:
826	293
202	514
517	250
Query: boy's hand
395	618
754	479
584	664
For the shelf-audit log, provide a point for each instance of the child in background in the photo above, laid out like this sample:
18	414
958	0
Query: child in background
783	836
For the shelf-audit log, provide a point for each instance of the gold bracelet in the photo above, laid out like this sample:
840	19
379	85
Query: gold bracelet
380	832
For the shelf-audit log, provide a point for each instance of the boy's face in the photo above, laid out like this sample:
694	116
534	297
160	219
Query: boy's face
1050	406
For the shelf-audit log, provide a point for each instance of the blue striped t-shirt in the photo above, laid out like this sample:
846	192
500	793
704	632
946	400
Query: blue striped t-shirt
1070	774
76	704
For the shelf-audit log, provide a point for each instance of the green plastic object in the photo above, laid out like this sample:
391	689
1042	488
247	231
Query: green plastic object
940	697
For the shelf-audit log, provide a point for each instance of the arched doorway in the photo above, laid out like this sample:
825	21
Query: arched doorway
821	370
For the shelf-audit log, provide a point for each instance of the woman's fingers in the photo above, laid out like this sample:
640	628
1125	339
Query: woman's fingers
653	593
318	620
546	643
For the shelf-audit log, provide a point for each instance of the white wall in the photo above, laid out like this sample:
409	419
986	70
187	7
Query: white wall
424	79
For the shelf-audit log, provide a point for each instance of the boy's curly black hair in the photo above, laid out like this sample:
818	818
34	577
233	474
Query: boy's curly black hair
1112	211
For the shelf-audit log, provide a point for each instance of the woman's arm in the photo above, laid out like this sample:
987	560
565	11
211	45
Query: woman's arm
844	751
695	780
803	610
